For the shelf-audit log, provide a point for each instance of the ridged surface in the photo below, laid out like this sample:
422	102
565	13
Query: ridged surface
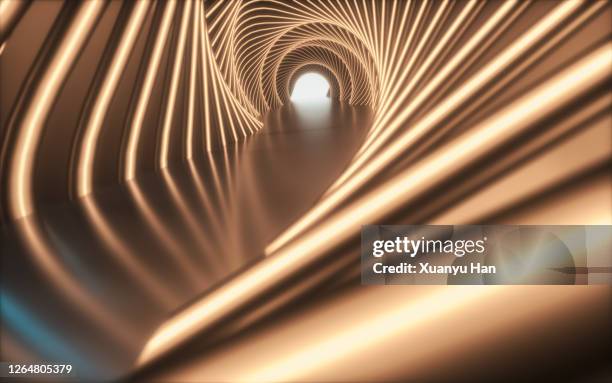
137	117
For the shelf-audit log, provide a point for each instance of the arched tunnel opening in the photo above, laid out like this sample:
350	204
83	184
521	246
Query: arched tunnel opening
184	185
310	87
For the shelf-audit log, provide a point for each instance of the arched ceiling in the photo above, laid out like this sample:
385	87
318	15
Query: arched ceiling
209	70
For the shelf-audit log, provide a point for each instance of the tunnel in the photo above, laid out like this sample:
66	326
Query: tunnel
184	183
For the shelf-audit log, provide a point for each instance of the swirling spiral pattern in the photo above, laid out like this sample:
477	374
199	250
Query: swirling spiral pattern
481	111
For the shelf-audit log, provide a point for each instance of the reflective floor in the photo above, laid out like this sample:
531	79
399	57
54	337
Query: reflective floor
89	281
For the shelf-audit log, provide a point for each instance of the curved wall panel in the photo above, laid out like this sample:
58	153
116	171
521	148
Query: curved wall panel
159	185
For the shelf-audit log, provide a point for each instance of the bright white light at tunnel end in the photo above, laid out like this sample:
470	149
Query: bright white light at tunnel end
310	87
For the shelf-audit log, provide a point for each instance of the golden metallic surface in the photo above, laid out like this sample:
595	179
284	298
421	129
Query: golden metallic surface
169	214
431	336
145	92
10	12
385	200
32	124
92	129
